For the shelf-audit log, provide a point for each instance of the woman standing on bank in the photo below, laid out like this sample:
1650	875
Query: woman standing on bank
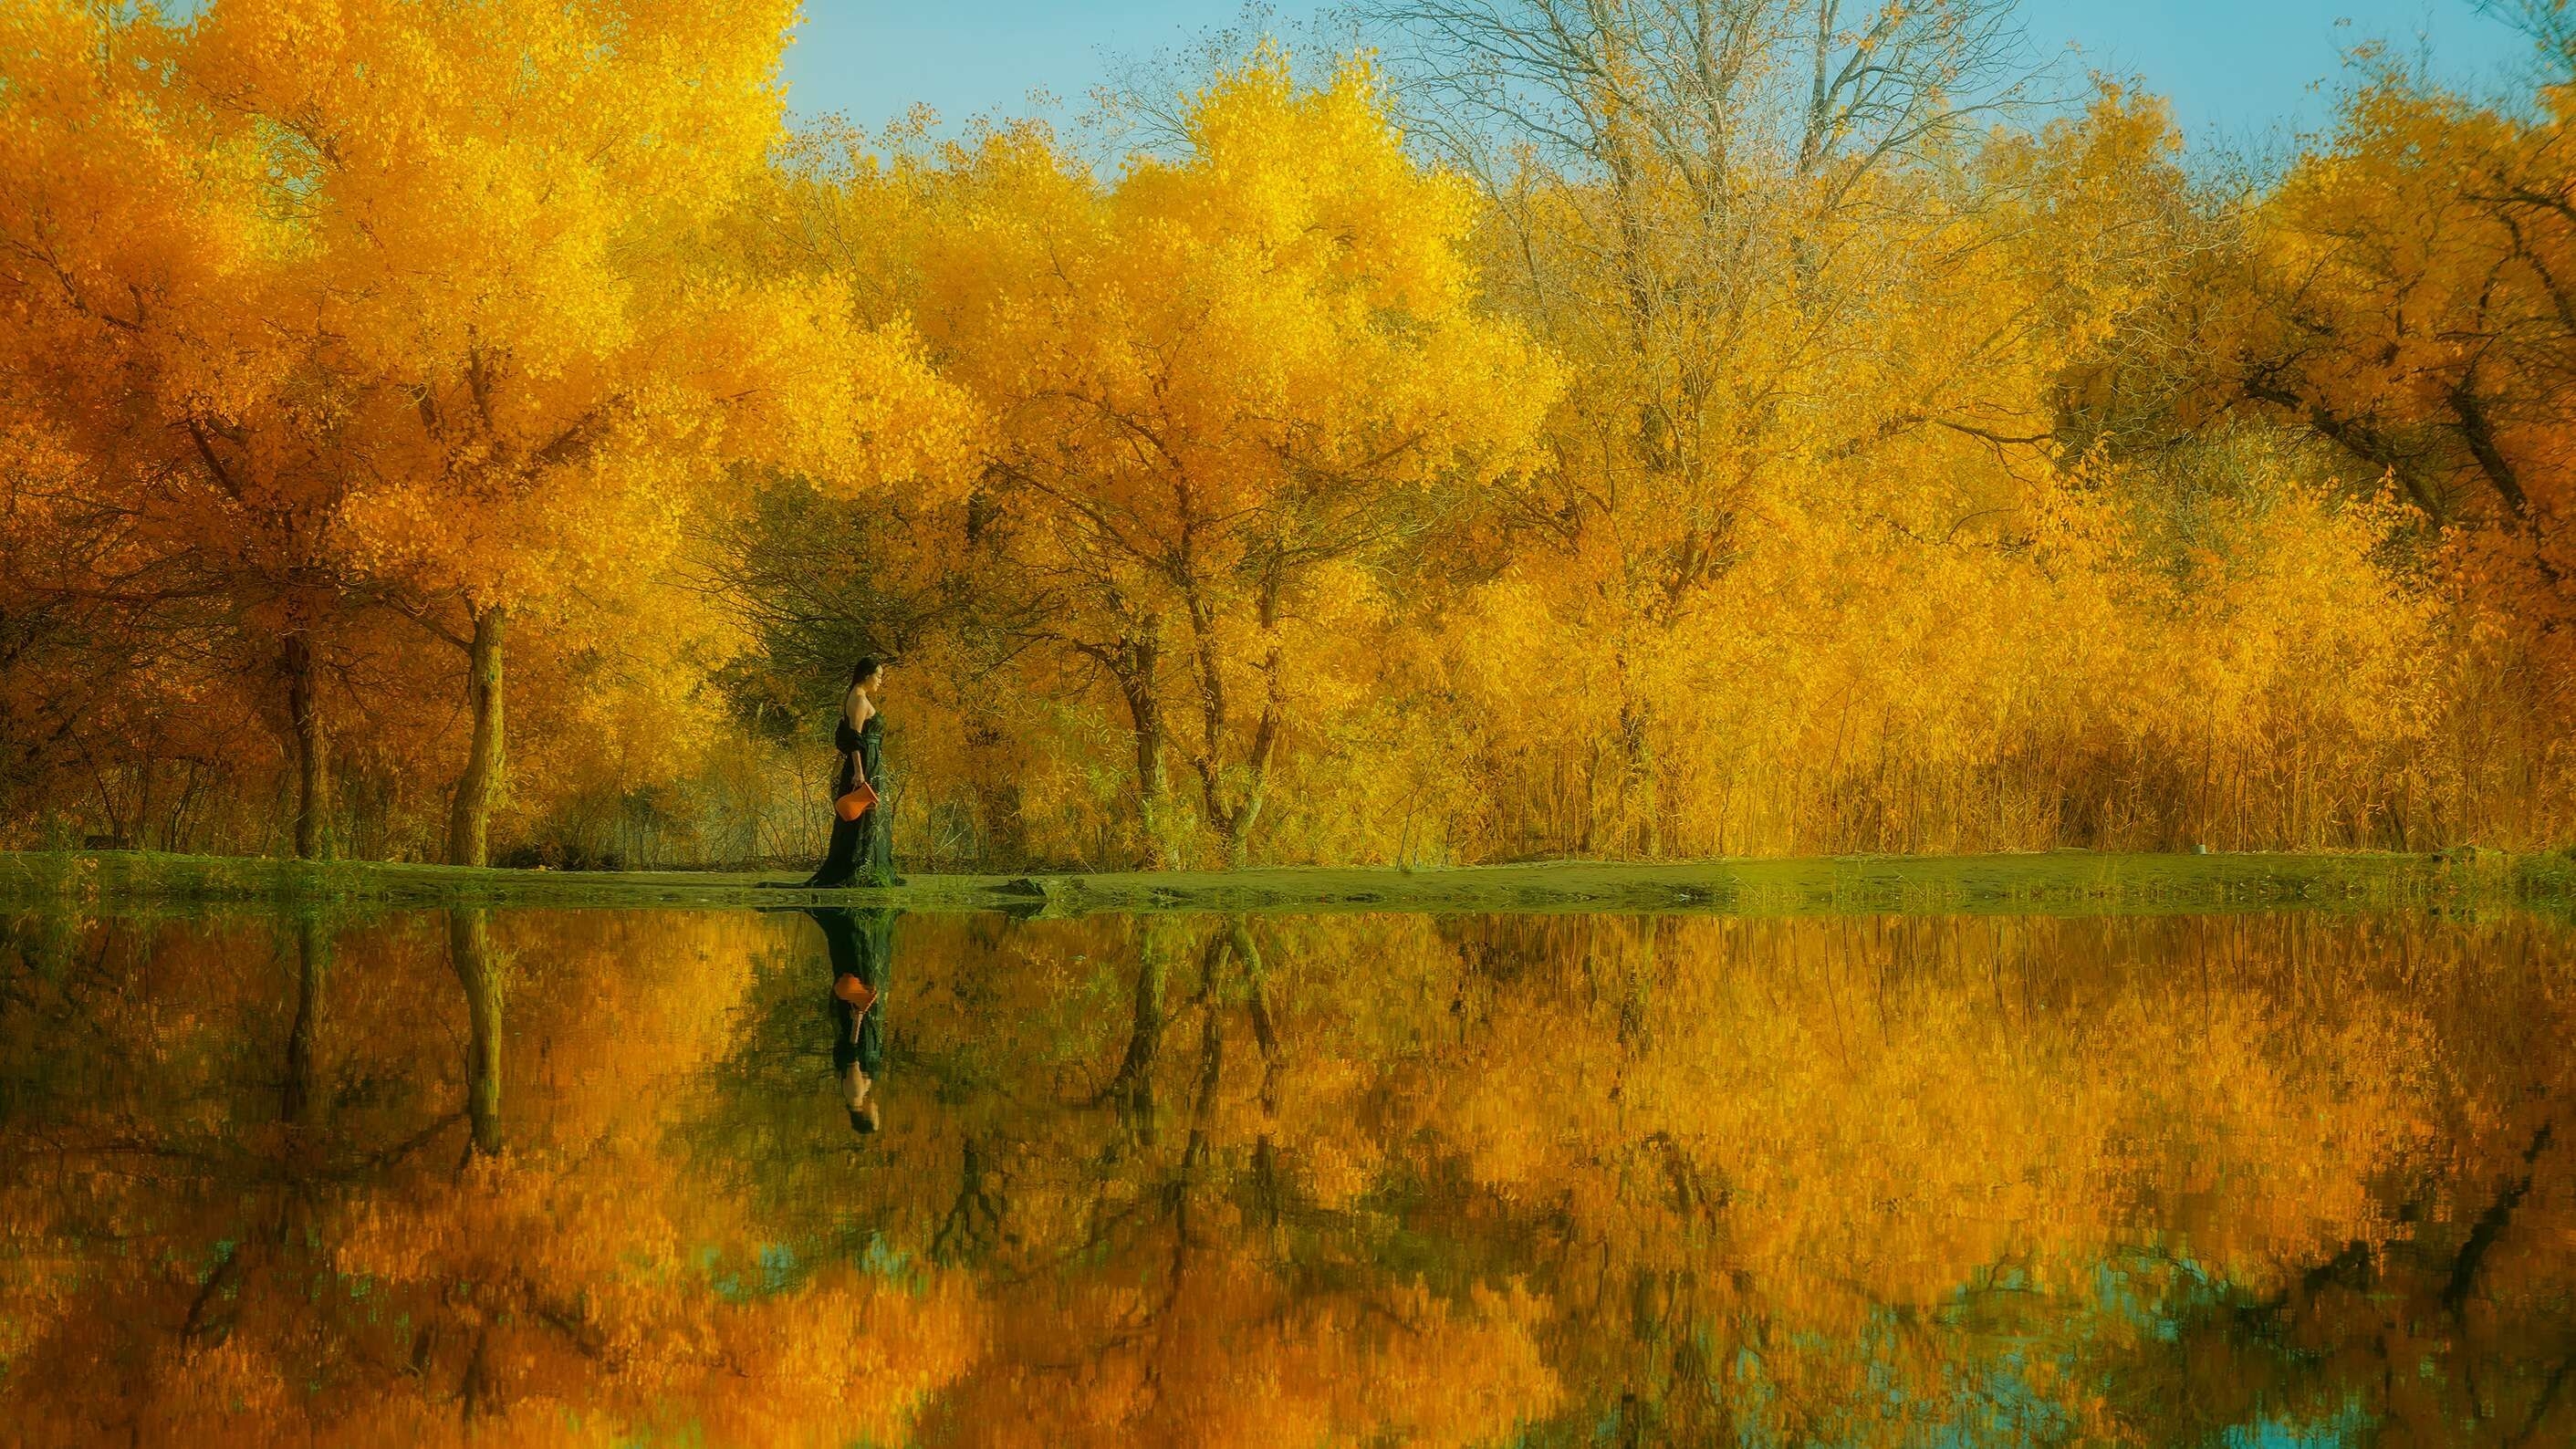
861	740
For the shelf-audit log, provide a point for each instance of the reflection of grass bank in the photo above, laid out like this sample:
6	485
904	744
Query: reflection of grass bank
2062	882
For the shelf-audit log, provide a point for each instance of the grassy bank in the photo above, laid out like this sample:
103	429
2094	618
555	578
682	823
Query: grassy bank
2066	882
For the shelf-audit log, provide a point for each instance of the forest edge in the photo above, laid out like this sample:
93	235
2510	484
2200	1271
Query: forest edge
2055	882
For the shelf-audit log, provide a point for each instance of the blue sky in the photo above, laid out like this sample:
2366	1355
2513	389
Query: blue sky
2234	69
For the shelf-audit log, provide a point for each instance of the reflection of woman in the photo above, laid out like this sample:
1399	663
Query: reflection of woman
860	738
861	947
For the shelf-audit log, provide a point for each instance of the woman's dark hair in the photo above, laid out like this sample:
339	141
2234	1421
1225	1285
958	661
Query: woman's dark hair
868	664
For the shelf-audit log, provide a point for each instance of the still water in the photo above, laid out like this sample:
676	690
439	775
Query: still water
590	1177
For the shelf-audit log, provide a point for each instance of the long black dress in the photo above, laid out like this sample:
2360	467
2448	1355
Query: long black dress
861	944
863	757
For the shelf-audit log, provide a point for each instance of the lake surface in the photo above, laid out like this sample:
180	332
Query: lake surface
590	1177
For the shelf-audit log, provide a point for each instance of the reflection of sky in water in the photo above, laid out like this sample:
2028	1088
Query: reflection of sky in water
2279	1181
2351	1425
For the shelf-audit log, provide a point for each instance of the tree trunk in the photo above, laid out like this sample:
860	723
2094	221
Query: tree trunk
1136	663
312	749
469	827
1147	713
1233	819
998	800
1265	735
1210	757
469	947
2479	433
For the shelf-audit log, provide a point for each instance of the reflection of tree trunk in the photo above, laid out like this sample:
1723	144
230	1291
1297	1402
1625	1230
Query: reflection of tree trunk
291	1231
1131	1092
476	1386
469	824
974	1220
1269	1191
2540	1406
1194	1152
205	1319
1671	1397
312	748
1256	994
469	942
2490	1226
297	1101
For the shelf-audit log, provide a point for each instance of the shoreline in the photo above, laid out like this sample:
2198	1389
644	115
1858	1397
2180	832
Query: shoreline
2068	882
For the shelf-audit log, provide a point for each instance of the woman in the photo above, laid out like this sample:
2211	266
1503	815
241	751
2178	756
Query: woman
861	948
861	741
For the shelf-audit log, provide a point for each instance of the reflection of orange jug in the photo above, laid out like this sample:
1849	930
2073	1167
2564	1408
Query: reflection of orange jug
856	803
856	992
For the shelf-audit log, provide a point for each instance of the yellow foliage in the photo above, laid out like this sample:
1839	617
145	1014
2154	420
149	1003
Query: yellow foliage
1277	492
1279	1181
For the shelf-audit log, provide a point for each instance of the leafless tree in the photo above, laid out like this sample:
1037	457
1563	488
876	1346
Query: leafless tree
1677	184
2551	24
1720	91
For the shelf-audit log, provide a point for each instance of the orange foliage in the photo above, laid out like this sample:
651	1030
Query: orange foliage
1282	1181
1685	463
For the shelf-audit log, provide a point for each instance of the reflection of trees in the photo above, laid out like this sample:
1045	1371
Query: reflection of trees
1278	1181
265	1252
1181	1290
1131	1091
204	1110
1802	1181
1115	1157
2456	1329
1863	1181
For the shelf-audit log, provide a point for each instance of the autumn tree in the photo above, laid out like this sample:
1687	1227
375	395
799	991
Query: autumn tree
2396	304
2413	303
420	314
87	612
1814	292
1221	390
552	361
1679	429
1678	195
157	332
